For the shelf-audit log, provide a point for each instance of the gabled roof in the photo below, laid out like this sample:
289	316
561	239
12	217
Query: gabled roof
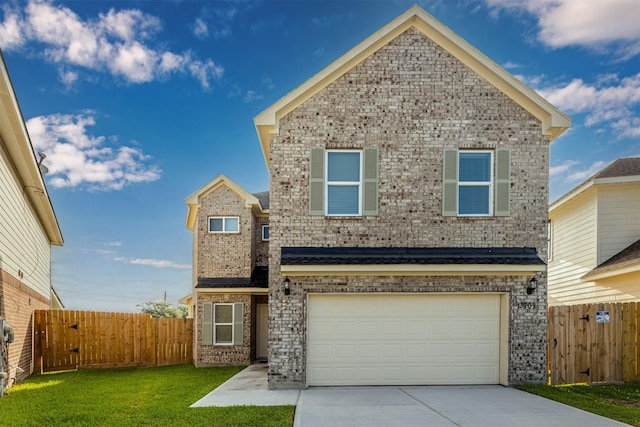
554	122
251	200
15	138
625	261
619	171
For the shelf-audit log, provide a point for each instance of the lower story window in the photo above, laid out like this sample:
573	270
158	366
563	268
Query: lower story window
222	323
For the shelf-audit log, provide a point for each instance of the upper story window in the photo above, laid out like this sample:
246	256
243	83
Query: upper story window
224	224
343	184
475	183
265	233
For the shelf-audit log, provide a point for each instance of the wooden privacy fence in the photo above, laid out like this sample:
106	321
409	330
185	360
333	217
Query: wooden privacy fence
67	339
594	343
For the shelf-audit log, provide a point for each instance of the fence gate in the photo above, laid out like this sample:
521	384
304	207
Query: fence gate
594	343
68	339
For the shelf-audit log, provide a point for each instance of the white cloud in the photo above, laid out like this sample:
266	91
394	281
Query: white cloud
200	29
251	96
11	36
156	263
589	23
76	159
583	174
118	42
610	100
562	168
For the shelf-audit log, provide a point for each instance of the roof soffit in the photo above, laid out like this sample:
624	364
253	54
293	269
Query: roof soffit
554	122
193	200
15	140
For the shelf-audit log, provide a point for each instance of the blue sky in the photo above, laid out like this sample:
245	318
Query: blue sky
139	103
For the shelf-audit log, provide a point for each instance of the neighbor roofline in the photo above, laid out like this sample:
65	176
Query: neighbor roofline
586	185
17	143
554	122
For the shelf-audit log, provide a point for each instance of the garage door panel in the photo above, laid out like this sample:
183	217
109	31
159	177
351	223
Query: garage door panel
403	339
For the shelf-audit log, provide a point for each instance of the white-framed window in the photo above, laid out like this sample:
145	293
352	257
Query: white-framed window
343	183
265	233
224	224
222	323
475	183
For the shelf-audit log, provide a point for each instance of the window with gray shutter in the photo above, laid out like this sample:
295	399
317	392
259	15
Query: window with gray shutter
316	181
207	323
503	182
370	184
238	327
450	182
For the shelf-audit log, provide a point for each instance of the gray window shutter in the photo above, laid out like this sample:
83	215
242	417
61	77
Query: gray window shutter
370	182
207	323
503	182
316	181
238	328
450	182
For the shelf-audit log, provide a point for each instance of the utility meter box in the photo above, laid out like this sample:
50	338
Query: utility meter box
7	332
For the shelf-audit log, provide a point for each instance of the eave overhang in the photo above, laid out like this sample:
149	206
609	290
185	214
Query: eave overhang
627	268
350	261
553	121
411	270
193	200
15	140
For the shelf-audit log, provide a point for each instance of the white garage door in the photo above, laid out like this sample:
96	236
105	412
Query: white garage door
403	339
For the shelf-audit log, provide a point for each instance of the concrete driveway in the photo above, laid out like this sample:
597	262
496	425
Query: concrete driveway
432	406
471	406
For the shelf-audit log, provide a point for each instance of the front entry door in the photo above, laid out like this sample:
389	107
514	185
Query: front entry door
262	331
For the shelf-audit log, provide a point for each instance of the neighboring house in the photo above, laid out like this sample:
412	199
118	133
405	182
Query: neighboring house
594	233
230	256
408	215
28	228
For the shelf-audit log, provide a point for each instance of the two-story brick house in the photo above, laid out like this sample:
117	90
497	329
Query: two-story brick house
230	256
408	215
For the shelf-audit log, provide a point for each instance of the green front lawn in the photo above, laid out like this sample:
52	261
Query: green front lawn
131	397
616	401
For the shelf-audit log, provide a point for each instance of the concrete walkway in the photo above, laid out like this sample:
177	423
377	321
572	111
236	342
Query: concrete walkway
408	406
248	387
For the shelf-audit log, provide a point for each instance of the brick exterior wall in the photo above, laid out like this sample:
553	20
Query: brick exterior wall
410	99
225	254
17	303
228	255
262	248
218	355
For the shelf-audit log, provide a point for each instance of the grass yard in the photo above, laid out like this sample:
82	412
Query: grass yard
616	401
131	397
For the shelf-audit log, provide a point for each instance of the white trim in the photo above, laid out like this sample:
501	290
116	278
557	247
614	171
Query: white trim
342	183
413	269
592	277
262	233
214	324
245	291
553	122
224	224
490	184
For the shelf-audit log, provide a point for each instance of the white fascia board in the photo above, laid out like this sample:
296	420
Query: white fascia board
412	270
